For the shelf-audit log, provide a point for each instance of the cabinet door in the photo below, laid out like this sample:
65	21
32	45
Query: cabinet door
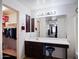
28	49
37	50
34	50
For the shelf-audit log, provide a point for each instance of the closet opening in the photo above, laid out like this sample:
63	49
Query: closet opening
9	32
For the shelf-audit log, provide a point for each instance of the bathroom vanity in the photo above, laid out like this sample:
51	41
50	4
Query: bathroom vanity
34	47
48	31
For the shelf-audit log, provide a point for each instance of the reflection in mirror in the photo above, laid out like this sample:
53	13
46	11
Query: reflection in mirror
53	26
52	30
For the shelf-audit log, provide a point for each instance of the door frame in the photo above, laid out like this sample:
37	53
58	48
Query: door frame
17	28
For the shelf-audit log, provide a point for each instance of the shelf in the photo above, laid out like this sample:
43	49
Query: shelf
10	52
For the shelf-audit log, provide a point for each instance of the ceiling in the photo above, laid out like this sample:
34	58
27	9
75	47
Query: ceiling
36	3
7	11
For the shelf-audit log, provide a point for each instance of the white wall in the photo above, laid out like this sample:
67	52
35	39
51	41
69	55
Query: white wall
0	29
61	27
71	30
68	10
43	30
22	12
76	35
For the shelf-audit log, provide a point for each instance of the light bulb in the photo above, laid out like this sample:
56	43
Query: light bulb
3	8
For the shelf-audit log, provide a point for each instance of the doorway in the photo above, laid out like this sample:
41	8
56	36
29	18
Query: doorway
9	32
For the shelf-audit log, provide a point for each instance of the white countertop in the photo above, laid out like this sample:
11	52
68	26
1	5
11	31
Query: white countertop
48	40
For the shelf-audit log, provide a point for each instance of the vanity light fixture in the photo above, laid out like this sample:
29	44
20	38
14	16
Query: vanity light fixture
44	12
53	12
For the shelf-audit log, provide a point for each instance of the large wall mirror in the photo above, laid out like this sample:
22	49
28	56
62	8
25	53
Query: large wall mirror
53	26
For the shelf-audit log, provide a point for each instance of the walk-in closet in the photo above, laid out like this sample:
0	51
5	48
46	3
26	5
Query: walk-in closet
9	32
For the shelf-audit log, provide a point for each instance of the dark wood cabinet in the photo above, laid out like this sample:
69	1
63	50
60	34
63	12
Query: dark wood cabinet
34	50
